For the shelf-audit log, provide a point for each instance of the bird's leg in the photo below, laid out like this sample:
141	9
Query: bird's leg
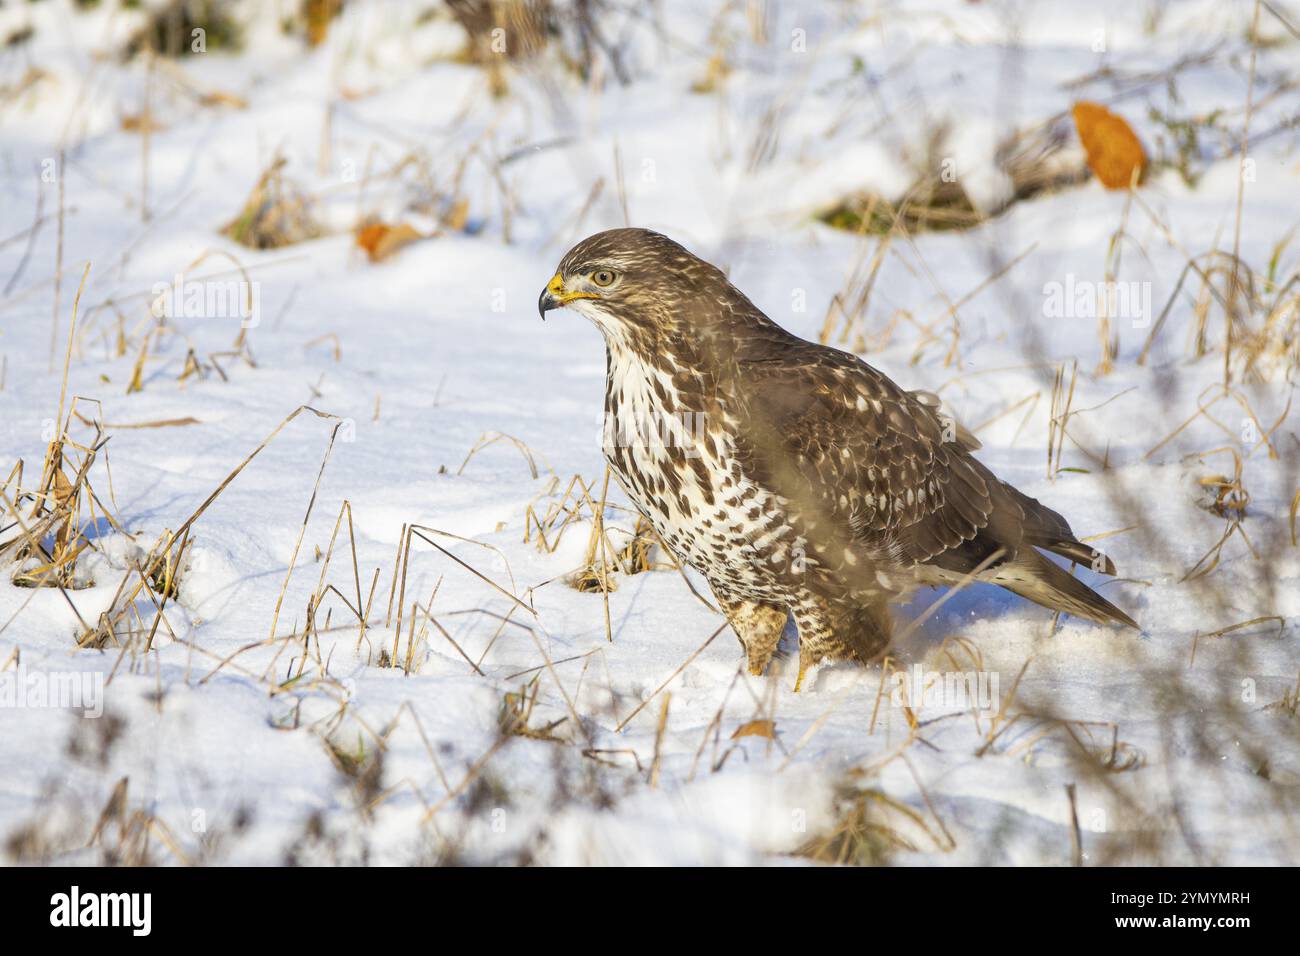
758	626
859	632
866	631
815	640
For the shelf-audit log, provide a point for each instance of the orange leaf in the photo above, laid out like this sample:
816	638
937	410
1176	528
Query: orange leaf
756	728
222	98
1113	149
140	123
380	240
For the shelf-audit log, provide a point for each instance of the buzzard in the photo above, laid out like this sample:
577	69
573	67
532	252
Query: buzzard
795	477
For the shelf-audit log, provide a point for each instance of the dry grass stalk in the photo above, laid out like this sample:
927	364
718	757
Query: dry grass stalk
1230	494
653	777
488	439
681	667
848	307
1262	335
58	272
1110	341
592	577
124	835
311	503
1062	399
635	556
517	713
1295	513
871	827
275	214
167	553
565	511
1235	286
52	536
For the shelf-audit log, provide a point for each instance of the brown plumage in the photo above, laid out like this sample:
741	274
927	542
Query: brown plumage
795	477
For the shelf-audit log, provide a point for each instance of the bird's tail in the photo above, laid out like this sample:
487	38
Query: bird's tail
1033	576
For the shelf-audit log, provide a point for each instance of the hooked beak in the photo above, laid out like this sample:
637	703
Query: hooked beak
554	296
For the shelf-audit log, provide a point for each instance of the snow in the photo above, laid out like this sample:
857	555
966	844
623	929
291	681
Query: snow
244	744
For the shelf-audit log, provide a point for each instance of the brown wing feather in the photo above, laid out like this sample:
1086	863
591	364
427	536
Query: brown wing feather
881	468
871	454
888	463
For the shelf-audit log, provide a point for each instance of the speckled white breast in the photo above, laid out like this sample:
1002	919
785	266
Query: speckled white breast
714	517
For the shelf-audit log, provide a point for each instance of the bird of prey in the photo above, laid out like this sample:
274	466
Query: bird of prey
795	477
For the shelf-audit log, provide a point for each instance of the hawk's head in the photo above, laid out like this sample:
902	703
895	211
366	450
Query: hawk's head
627	280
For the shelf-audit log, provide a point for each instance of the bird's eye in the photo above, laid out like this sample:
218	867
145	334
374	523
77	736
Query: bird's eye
603	277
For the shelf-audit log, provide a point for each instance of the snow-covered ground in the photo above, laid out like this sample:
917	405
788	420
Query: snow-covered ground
257	723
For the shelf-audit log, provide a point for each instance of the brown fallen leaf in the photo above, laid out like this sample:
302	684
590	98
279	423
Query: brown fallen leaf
277	212
1113	149
222	98
62	487
381	240
351	93
140	123
756	728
